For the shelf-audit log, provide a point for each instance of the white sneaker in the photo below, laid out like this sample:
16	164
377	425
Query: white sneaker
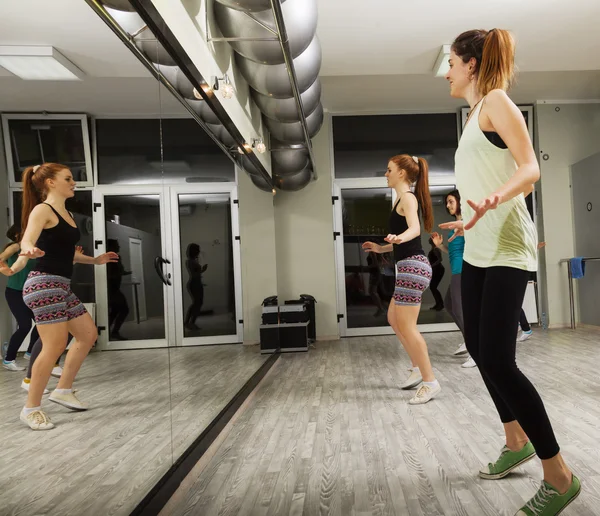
424	394
413	380
27	356
25	385
56	372
525	335
37	420
68	400
462	349
469	363
12	366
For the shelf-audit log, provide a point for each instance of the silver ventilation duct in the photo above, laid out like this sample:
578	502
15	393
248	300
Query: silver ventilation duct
294	182
283	76
274	80
286	110
301	25
287	160
291	132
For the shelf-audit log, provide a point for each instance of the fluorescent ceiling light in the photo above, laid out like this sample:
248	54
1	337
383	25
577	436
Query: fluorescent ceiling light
442	67
38	63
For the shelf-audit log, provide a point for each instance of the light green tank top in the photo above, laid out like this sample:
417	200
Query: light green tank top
505	236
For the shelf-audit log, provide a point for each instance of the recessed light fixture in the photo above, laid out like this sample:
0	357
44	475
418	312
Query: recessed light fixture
38	63
442	67
226	88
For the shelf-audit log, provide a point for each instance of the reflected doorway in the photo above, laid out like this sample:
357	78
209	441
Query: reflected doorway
178	280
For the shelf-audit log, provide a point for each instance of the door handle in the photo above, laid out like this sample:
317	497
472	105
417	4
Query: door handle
159	261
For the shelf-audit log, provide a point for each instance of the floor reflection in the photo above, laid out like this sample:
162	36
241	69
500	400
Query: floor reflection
203	381
142	416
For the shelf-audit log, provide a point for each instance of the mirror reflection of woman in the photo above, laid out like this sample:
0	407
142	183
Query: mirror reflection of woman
14	298
413	271
50	234
195	287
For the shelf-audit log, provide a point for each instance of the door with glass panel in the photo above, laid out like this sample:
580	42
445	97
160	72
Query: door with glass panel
132	295
177	281
366	281
206	265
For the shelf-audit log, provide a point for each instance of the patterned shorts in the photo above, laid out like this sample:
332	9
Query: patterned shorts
413	275
51	299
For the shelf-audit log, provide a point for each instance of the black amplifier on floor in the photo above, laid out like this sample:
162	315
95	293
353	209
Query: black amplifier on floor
283	338
270	311
293	312
308	303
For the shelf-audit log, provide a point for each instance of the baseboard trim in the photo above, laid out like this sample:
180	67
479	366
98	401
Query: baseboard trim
160	494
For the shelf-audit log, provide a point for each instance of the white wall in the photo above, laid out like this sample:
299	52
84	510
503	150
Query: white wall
304	238
258	253
567	136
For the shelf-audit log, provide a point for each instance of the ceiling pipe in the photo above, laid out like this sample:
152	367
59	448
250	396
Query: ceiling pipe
289	62
128	40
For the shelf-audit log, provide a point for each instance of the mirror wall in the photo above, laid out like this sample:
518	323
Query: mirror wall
154	188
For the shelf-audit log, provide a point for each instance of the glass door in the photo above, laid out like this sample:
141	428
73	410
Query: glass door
366	281
206	265
178	281
132	295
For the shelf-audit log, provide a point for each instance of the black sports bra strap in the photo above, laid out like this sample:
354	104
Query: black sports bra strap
52	208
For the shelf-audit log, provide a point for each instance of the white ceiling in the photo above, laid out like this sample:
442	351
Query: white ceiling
374	60
390	37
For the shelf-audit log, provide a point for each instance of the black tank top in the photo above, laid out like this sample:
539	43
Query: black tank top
58	243
398	225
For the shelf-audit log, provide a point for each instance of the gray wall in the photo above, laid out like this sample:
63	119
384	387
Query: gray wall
585	181
567	135
304	236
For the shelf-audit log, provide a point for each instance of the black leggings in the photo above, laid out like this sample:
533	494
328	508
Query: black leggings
492	299
436	278
196	291
118	310
524	322
24	317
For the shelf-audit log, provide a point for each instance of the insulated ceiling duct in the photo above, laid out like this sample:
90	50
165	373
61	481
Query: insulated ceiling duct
294	182
274	80
288	160
301	24
291	132
286	110
289	99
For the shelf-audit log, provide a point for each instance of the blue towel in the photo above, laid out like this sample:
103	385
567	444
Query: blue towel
577	267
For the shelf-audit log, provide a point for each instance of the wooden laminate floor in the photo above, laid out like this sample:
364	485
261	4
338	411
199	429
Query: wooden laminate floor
147	407
330	432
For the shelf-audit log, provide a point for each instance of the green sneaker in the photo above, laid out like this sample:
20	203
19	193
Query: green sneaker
507	461
549	502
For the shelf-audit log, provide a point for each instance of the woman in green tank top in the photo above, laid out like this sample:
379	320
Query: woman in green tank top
14	298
